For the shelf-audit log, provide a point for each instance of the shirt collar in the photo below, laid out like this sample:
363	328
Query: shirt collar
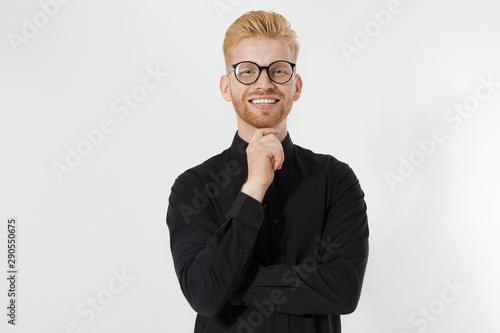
239	146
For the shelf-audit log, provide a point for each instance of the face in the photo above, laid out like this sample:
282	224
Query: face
247	99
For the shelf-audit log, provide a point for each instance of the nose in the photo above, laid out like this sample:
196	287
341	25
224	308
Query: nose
264	82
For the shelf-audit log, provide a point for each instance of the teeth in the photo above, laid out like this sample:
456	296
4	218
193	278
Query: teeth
264	101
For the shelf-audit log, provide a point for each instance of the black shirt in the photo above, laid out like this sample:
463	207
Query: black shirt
291	264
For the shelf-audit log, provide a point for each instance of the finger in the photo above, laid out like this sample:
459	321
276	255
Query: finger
276	152
275	165
282	158
279	159
269	140
262	132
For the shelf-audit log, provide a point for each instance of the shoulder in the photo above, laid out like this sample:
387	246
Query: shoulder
341	181
337	174
224	162
318	160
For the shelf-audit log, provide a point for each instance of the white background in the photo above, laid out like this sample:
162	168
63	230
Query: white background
436	227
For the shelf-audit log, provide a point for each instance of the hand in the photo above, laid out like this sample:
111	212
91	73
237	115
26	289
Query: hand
264	156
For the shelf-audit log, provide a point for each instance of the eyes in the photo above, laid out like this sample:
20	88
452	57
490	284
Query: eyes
275	71
247	72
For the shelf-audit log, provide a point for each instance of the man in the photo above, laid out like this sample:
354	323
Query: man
267	236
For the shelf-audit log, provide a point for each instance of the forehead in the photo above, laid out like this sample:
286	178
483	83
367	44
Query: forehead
261	50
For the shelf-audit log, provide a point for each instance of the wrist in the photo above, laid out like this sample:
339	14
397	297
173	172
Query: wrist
256	191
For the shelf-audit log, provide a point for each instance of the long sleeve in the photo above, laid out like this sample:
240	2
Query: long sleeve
291	264
330	280
211	251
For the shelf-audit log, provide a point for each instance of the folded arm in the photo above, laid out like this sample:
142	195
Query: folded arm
330	280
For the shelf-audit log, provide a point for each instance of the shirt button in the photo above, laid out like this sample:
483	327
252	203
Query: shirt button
272	184
276	221
278	309
245	250
258	215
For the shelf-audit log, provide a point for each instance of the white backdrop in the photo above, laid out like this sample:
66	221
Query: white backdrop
104	103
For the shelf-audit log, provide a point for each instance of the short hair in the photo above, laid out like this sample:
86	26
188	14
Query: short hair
259	23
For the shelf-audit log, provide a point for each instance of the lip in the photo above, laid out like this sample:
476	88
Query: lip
264	107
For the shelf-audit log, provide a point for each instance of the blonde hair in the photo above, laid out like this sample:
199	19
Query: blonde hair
259	23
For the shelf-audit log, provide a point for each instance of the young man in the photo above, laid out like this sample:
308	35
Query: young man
267	236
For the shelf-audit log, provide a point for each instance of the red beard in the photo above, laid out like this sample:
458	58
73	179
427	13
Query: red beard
262	118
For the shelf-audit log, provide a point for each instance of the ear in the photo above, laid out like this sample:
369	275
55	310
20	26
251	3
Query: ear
298	87
224	88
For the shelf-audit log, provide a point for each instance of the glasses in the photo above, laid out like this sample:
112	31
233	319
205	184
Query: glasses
248	72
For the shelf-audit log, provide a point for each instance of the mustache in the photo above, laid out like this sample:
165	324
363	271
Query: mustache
267	93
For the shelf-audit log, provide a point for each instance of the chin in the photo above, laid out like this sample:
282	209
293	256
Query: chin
262	120
267	122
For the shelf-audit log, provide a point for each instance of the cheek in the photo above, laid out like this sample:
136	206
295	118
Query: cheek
290	93
238	93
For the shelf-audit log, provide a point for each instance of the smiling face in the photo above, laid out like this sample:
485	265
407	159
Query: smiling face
263	103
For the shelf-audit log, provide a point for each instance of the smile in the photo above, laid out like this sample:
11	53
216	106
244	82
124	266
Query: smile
264	101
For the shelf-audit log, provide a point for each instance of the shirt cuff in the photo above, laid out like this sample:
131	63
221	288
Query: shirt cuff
245	207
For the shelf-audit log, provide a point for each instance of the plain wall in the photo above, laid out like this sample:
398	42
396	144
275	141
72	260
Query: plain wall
398	90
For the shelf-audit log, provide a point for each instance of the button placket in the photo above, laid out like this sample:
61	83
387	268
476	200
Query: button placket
275	222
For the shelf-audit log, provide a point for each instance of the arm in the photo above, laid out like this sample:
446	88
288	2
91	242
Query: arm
330	281
210	256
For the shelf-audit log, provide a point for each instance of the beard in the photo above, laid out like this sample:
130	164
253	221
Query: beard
262	118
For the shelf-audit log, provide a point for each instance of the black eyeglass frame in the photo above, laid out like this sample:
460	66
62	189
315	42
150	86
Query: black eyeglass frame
260	71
